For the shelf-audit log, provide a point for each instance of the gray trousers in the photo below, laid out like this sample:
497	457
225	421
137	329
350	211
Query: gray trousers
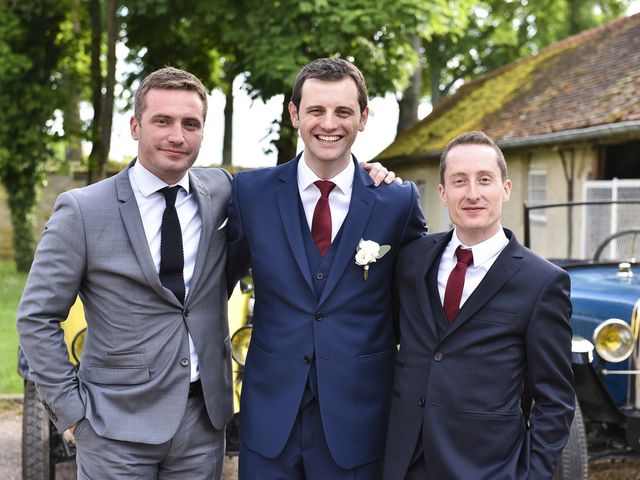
196	452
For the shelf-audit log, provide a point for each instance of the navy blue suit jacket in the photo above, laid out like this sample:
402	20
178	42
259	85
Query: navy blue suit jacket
463	387
349	329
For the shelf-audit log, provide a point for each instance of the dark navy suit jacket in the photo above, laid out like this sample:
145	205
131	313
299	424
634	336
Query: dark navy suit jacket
462	388
349	328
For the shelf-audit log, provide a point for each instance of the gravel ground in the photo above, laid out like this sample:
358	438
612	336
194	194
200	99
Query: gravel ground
11	435
11	432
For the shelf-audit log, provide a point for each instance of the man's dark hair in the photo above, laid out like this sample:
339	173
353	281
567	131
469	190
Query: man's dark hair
169	78
330	69
475	137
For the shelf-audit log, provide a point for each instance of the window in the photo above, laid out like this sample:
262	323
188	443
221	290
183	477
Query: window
537	194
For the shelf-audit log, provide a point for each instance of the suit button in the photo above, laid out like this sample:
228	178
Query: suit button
437	356
307	359
421	402
319	276
186	313
319	316
184	362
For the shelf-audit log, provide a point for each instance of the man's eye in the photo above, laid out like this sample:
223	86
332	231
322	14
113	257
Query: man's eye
192	126
343	113
485	180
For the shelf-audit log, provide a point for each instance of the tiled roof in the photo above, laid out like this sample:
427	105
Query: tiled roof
586	80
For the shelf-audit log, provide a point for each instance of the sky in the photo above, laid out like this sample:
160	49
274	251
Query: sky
252	121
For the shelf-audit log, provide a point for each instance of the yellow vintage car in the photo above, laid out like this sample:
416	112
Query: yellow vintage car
43	447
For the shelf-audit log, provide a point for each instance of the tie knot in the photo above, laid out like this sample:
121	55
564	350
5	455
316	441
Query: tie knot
325	187
170	194
464	255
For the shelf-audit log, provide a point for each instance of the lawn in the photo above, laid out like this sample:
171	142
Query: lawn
11	285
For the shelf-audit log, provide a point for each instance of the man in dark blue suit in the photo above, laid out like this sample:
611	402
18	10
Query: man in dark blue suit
470	342
322	242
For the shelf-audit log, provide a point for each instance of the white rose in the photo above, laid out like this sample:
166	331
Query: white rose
364	258
370	247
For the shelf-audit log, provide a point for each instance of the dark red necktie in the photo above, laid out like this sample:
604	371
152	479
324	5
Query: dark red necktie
455	284
321	223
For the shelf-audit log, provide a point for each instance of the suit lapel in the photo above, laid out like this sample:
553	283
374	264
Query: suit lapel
360	208
288	197
505	266
432	247
130	214
206	205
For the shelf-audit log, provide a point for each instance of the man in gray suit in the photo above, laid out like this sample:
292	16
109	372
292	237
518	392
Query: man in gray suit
153	392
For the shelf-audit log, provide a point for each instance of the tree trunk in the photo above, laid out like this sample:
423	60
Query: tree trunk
96	90
108	99
435	70
22	194
287	143
408	105
228	126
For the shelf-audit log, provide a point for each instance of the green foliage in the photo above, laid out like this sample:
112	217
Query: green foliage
31	49
499	32
271	40
11	286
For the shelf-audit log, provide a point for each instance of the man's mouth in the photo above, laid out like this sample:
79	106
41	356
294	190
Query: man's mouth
328	138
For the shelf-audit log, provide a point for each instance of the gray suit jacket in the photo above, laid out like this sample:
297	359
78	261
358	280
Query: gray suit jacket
134	375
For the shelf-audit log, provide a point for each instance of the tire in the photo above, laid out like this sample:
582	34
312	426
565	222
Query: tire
36	445
573	464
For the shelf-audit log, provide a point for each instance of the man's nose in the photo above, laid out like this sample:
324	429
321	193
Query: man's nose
176	135
328	122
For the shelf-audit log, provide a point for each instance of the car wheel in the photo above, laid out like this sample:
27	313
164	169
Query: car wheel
573	464
36	446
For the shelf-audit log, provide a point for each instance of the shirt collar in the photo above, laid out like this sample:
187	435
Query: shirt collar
482	251
343	180
148	183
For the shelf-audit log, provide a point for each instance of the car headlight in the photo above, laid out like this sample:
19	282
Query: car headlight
614	340
77	345
240	344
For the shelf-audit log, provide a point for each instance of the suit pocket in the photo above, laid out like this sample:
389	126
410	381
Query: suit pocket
116	375
496	317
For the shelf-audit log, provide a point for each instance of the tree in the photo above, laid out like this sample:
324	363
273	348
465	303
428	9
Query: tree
30	49
496	33
280	37
102	87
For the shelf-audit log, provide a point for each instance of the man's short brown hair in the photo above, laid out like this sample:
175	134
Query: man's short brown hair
475	137
169	78
330	69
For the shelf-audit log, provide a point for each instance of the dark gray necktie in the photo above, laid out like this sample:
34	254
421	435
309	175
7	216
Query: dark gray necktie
171	252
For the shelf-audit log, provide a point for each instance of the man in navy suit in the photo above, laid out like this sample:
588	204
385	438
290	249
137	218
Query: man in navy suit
465	358
319	371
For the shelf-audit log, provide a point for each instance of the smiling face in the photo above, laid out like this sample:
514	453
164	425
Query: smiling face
329	120
474	191
169	132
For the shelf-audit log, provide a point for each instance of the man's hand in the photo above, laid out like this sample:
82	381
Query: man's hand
68	434
379	174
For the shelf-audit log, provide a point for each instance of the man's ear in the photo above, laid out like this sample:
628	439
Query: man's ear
293	113
133	127
443	197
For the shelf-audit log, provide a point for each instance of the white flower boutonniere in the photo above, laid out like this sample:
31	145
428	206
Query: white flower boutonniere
369	252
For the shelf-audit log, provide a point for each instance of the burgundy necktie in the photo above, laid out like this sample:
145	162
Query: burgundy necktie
321	223
455	284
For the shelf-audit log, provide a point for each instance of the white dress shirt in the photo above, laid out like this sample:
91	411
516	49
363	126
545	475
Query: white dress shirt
339	198
484	255
151	204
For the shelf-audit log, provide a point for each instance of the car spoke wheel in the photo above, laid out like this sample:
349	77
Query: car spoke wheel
573	463
36	428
